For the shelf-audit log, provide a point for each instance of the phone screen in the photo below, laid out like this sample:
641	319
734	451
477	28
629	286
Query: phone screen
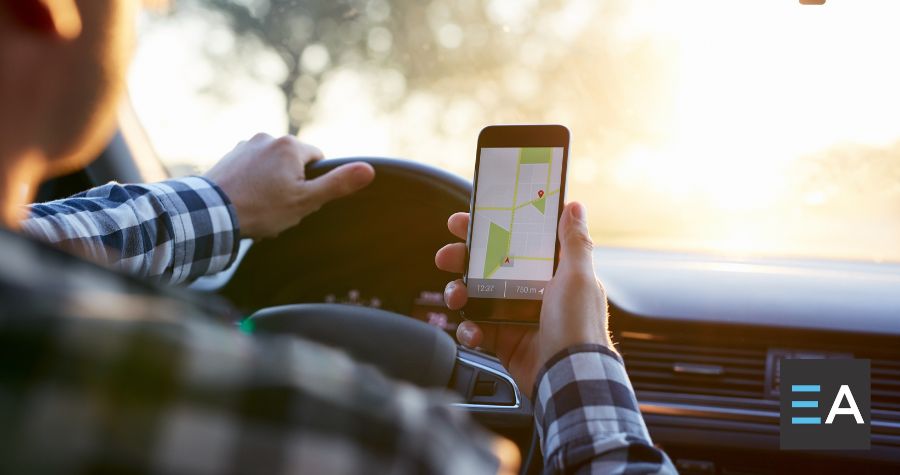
512	248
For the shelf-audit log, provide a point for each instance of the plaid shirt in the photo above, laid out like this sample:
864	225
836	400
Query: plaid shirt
588	418
103	372
173	231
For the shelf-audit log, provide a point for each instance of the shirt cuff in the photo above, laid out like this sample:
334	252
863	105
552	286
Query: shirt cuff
205	226
583	393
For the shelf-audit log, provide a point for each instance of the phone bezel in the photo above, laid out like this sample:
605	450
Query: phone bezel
551	135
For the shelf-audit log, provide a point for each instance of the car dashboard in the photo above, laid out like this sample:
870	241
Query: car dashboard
702	338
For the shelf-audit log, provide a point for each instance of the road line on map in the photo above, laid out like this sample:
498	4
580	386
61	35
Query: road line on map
500	208
512	214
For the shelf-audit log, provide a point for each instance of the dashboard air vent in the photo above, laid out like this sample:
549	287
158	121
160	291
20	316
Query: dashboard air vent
681	367
885	384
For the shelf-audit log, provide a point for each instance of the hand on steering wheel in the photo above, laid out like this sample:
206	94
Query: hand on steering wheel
265	179
574	309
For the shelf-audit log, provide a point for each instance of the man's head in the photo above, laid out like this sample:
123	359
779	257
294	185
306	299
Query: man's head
62	70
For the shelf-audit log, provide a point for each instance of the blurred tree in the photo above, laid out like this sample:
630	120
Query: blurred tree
511	58
304	34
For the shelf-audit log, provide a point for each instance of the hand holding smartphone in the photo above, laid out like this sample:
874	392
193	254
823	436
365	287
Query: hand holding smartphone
512	244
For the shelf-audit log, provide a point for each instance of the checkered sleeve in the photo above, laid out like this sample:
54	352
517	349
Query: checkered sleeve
172	231
182	395
588	417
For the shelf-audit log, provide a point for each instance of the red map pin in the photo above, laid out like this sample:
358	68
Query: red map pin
540	193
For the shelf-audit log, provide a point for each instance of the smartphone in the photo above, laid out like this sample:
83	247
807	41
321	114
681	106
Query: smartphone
512	244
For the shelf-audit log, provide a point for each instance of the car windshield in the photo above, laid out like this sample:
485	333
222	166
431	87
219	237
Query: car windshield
746	128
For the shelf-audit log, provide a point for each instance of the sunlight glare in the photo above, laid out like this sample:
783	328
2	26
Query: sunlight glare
715	125
761	84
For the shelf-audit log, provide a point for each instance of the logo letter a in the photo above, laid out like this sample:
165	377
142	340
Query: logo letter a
836	408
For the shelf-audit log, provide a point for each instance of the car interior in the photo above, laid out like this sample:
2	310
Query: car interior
738	161
702	336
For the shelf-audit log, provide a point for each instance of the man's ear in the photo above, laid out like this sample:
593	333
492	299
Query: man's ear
58	18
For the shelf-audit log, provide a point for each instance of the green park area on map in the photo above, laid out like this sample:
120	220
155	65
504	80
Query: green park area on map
497	248
532	155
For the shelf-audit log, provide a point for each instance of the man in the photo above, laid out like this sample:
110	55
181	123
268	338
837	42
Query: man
101	372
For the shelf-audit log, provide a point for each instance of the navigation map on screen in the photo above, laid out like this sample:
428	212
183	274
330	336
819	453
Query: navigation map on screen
515	217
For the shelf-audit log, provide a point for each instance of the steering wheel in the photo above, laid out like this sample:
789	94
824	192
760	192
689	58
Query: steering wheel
379	242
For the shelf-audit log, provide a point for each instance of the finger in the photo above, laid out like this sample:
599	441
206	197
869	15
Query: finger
456	295
458	224
261	137
499	339
576	247
469	334
473	335
451	258
310	153
303	152
340	182
508	454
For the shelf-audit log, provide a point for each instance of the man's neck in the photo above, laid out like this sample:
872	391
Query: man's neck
20	174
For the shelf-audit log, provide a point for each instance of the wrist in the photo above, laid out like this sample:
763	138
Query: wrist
584	396
238	217
553	360
554	345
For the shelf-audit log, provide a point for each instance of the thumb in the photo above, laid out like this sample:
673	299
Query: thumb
340	182
576	246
